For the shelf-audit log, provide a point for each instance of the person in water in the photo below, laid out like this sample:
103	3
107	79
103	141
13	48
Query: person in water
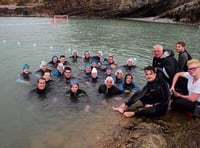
86	57
75	92
26	75
128	85
94	76
119	76
111	62
68	75
62	59
74	58
54	62
108	89
129	65
47	77
189	102
43	68
60	71
40	91
154	97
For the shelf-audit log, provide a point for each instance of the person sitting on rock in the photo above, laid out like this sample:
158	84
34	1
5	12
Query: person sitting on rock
154	97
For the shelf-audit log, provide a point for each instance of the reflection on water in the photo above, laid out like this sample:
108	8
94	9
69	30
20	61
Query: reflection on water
56	122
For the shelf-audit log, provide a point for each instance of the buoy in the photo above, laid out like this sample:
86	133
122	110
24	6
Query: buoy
51	47
18	43
4	41
34	45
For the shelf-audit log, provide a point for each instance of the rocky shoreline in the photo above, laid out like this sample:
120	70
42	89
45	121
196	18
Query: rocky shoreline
183	11
171	131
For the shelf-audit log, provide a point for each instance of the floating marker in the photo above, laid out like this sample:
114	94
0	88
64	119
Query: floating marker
134	59
4	41
18	43
51	47
69	49
34	45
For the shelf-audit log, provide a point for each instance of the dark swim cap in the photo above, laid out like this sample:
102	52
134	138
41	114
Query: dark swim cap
54	56
26	66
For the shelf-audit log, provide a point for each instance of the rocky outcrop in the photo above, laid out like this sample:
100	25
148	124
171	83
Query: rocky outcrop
172	131
179	10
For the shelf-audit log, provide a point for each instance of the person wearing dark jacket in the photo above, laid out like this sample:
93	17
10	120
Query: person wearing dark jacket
183	55
165	63
154	97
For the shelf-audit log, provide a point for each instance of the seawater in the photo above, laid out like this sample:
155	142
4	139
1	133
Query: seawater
55	123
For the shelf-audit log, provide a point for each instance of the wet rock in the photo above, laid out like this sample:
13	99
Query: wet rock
179	10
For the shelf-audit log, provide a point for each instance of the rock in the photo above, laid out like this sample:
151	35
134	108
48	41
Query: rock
187	11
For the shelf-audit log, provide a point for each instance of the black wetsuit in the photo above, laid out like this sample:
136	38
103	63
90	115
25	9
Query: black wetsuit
109	92
40	94
74	96
129	68
155	93
74	59
182	60
25	77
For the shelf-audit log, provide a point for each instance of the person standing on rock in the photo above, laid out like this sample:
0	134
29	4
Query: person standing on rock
183	55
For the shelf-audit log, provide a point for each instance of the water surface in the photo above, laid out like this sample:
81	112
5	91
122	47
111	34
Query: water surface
55	123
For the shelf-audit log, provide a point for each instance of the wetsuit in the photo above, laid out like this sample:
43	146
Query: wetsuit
25	77
129	68
182	60
53	65
40	94
74	58
74	96
155	93
109	92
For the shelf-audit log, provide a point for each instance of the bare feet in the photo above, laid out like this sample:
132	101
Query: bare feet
129	114
119	109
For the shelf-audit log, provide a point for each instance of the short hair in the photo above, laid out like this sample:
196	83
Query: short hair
109	78
158	46
181	43
68	68
62	56
119	71
41	79
193	61
47	71
128	74
150	68
75	51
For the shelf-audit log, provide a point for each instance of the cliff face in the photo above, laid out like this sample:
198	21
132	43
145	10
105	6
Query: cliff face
180	10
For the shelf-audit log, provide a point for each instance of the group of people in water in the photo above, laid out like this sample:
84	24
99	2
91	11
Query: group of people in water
170	83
